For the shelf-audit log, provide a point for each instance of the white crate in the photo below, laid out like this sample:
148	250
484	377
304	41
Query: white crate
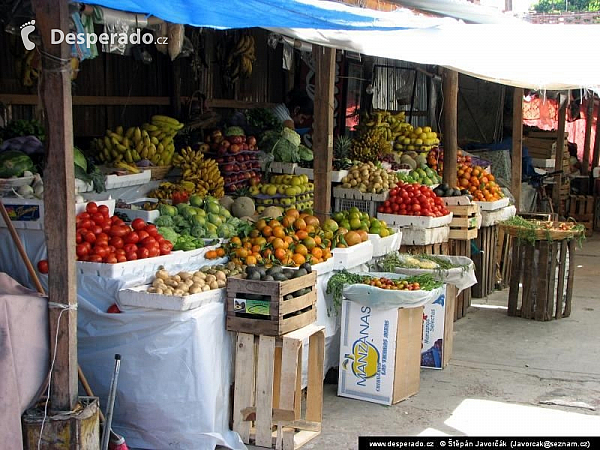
138	296
25	214
120	181
344	204
8	184
489	218
425	236
148	216
415	221
347	258
388	244
493	206
355	194
281	167
459	200
336	175
324	267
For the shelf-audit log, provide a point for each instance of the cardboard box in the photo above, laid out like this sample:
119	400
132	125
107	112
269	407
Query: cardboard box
438	328
380	353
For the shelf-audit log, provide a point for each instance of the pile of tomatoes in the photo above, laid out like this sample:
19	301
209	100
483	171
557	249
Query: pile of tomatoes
395	285
107	239
413	199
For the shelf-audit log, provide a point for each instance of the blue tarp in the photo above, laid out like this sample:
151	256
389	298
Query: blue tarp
322	15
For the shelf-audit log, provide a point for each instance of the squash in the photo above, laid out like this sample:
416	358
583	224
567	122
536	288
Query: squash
13	163
243	206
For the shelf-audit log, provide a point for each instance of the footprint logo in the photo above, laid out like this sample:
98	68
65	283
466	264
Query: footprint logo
26	29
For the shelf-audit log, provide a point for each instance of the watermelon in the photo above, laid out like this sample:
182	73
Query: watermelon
13	163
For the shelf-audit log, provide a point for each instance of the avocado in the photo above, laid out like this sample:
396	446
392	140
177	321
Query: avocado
279	277
445	186
464	192
300	273
254	275
439	192
262	271
289	273
273	270
307	267
288	297
268	278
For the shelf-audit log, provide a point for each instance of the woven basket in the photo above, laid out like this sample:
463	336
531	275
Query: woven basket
159	172
541	234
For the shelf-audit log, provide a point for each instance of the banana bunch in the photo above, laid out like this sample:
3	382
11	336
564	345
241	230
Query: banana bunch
131	168
370	145
390	125
203	173
240	59
152	141
166	190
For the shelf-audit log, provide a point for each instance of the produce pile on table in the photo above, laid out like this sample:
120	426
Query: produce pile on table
102	238
289	191
413	200
189	283
285	146
355	220
430	262
368	177
532	230
422	175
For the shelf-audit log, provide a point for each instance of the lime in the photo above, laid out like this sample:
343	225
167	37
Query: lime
355	223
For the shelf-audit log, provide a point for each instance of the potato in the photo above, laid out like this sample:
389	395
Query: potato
214	285
221	283
171	282
221	276
176	278
210	278
205	288
162	274
160	291
158	282
178	292
152	290
185	275
195	289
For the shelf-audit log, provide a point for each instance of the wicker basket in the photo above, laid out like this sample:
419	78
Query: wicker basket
541	234
159	172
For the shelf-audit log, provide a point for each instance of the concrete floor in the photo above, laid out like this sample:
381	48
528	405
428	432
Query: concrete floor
502	368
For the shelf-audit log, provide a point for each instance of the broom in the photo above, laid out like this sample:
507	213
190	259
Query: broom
117	442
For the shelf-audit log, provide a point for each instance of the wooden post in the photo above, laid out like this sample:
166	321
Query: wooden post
517	146
595	162
589	120
323	128
449	136
560	148
59	201
176	89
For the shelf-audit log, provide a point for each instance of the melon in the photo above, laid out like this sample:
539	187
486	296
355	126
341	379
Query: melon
13	163
273	212
243	206
226	201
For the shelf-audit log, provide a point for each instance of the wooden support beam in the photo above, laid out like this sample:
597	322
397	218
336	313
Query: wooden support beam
517	146
90	100
323	128
59	198
563	103
596	155
176	89
450	131
587	145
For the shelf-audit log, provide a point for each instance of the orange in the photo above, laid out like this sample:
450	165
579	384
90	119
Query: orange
302	234
274	223
248	245
318	240
266	231
260	241
241	252
278	243
254	233
301	249
235	241
363	235
212	254
280	254
317	252
250	260
261	224
299	224
287	221
237	261
310	229
293	212
298	259
312	220
278	231
464	182
303	215
267	253
288	239
255	248
309	243
220	252
352	238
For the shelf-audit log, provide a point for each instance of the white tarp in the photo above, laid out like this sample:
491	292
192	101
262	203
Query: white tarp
552	57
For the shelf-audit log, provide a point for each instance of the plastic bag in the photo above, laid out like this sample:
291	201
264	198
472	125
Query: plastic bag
389	299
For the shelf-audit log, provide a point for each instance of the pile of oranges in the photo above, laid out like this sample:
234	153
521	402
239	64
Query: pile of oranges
480	184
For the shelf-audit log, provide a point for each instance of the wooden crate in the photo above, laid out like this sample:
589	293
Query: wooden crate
431	249
538	269
485	262
581	208
283	315
504	257
463	301
268	406
464	222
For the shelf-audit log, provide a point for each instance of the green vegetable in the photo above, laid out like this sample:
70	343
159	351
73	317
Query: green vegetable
263	119
164	221
79	159
169	234
18	128
335	286
13	163
291	136
284	145
306	154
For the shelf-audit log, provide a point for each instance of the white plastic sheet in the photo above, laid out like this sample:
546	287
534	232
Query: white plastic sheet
389	299
461	277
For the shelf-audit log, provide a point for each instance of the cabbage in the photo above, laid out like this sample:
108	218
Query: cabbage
79	159
305	153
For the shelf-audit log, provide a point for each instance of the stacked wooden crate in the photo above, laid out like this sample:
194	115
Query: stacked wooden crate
581	208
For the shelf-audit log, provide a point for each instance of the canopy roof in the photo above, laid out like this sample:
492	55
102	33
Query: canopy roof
509	51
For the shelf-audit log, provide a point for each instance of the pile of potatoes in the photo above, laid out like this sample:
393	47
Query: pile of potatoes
189	283
368	178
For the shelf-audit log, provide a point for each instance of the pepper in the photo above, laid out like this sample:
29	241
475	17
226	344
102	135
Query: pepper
180	197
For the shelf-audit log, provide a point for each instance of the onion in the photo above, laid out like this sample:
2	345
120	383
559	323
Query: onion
79	199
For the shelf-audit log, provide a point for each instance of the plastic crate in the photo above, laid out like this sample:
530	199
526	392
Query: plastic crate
344	204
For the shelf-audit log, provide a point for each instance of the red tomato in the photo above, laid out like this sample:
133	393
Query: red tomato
87	245
114	219
81	250
416	207
132	238
42	266
153	251
90	237
83	216
386	203
395	208
78	238
143	235
83	258
106	227
138	224
101	242
388	210
159	238
102	235
95	258
98	218
101	250
113	309
143	253
165	249
116	242
118	230
91	208
131	256
121	258
148	241
111	249
103	209
87	224
110	259
97	230
151	230
130	248
120	251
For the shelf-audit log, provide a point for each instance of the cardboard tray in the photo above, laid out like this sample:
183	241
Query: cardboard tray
137	296
336	175
120	181
355	194
347	258
415	221
425	236
388	244
493	206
